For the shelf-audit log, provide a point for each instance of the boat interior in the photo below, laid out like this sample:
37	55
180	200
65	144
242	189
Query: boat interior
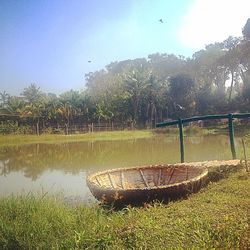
145	177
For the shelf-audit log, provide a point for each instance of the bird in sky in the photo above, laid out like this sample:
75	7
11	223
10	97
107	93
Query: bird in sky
160	20
89	61
179	107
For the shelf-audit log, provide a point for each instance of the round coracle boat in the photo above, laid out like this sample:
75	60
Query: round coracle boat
143	184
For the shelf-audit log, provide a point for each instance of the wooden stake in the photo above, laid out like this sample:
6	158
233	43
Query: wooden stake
187	173
171	175
231	135
122	180
245	156
111	182
159	178
98	181
144	179
181	139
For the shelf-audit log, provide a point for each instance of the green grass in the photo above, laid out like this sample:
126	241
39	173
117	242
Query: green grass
239	130
6	140
188	130
215	218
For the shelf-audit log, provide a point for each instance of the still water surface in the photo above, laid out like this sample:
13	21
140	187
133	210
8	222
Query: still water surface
63	168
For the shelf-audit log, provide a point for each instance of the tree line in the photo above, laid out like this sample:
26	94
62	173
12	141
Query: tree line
144	91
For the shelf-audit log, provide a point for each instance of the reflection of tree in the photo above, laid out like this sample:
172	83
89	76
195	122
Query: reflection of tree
4	168
195	140
33	160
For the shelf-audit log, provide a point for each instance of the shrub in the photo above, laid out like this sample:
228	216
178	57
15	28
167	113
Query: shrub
12	127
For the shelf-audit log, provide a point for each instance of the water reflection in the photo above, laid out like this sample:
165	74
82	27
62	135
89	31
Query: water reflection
65	165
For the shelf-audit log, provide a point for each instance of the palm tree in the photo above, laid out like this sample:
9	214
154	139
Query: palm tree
16	104
135	83
34	110
35	104
4	97
65	110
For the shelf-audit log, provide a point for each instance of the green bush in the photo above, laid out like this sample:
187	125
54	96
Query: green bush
12	127
8	127
25	129
50	130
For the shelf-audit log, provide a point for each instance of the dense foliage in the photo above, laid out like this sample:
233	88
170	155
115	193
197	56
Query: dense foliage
144	91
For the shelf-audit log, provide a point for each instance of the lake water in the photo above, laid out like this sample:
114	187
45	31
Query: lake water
62	168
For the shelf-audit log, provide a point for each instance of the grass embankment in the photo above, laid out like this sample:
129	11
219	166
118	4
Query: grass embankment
6	140
215	218
188	130
240	130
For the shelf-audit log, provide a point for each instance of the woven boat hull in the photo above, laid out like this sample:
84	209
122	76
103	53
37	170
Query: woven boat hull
143	184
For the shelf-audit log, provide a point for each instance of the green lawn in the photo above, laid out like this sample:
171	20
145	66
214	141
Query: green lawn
6	140
215	218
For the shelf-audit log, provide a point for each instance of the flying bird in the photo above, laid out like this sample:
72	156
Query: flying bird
160	20
179	107
89	61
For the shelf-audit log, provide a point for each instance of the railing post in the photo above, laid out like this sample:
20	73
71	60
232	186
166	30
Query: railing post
231	135
181	139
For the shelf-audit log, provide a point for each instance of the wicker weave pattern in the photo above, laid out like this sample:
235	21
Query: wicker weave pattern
144	177
146	183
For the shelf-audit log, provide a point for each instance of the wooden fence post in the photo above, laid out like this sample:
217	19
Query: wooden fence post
181	139
231	135
230	117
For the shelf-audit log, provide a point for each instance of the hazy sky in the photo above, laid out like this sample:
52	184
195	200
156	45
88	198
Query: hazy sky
49	42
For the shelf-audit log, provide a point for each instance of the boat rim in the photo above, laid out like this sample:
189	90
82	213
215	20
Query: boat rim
203	173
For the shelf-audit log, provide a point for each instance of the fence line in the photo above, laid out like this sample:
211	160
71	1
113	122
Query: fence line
64	129
229	117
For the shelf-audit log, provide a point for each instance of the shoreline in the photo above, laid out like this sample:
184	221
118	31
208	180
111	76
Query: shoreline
12	140
215	217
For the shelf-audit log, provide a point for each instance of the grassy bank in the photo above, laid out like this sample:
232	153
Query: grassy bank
240	130
188	130
215	218
6	140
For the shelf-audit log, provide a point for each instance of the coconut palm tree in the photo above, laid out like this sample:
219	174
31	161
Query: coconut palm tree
35	104
4	97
